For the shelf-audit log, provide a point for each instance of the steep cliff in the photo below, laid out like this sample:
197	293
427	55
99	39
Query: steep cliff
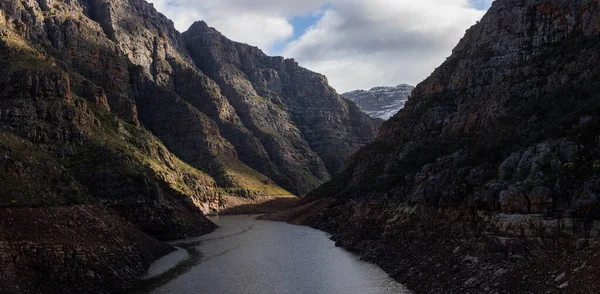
61	147
124	59
302	130
51	131
173	99
229	128
493	163
381	102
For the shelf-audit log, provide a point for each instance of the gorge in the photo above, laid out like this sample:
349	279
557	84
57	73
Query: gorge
118	134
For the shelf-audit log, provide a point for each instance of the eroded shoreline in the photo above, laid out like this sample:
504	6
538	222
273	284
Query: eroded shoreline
450	251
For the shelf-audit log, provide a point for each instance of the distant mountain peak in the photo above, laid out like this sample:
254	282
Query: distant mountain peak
381	102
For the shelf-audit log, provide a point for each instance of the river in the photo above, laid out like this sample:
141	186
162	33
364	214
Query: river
245	255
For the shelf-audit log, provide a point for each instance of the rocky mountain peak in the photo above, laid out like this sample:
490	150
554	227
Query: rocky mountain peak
199	27
259	86
381	102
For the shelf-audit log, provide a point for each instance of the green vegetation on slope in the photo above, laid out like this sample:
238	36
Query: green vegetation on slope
251	182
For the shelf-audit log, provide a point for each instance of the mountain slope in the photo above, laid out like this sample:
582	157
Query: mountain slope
303	128
492	164
240	127
130	57
165	84
381	102
62	156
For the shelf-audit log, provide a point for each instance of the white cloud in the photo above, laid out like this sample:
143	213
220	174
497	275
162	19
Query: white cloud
261	23
356	43
360	44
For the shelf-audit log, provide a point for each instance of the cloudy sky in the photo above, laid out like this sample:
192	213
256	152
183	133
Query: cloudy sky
357	44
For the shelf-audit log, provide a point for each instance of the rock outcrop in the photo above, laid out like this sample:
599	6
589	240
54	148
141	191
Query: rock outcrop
381	102
497	153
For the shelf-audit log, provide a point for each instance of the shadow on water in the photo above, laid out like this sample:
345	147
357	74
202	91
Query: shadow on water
195	257
249	228
146	286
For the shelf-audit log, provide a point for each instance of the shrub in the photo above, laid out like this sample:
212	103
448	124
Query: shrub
569	166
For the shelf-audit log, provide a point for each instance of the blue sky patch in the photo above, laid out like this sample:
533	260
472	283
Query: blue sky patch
301	23
481	4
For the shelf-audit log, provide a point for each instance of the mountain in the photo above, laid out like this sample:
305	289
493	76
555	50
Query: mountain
117	131
488	179
307	131
381	102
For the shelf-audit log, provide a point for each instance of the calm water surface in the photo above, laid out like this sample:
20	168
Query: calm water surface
249	256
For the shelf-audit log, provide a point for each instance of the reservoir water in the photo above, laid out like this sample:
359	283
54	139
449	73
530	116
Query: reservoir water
249	256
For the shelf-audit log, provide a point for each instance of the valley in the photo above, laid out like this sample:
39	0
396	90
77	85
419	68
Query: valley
132	154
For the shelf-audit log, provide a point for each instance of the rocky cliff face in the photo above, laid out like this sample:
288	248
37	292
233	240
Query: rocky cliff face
497	153
381	102
299	131
517	111
105	103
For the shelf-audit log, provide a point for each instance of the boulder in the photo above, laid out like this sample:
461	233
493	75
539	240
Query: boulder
507	168
587	198
45	4
513	200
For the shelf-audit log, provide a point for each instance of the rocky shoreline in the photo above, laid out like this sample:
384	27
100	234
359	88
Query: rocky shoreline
87	248
456	251
258	205
76	249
